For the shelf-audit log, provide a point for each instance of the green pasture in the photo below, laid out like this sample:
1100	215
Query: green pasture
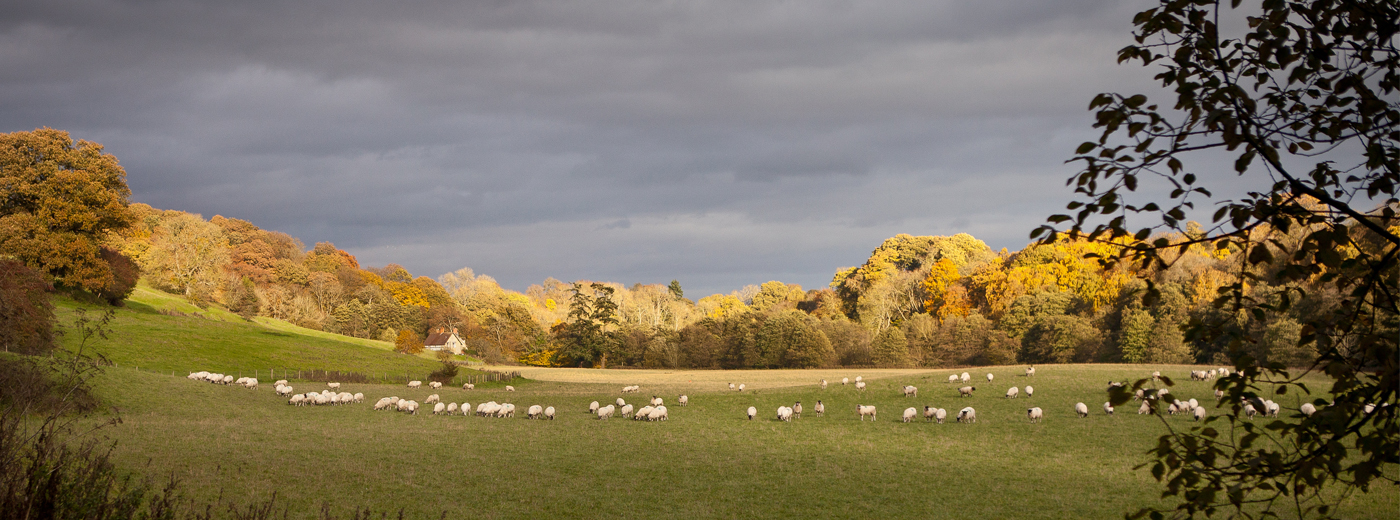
159	332
707	461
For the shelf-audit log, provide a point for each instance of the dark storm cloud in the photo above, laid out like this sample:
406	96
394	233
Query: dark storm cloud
719	143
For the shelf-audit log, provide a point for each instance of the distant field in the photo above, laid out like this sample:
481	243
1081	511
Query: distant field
707	461
147	334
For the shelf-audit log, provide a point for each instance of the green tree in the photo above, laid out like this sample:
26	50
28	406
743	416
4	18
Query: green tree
790	339
1303	98
584	338
891	348
59	201
675	289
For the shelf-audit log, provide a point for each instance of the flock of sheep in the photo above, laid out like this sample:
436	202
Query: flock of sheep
656	410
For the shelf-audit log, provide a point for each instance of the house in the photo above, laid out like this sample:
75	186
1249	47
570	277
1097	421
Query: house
440	339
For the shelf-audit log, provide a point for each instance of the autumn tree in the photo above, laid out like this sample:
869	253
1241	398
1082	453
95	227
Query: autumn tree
60	199
1301	97
408	342
187	255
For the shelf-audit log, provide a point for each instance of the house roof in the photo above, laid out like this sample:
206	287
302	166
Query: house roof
438	338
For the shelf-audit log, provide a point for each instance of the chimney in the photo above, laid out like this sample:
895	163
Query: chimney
454	330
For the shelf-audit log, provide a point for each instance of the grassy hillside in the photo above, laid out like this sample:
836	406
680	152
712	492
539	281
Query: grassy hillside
707	461
159	332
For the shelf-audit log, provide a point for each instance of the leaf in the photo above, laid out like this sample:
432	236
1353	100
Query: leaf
1087	147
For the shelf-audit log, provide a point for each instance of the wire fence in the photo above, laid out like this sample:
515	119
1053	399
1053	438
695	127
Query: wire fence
342	376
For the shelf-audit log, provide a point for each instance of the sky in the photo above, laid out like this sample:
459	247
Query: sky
716	143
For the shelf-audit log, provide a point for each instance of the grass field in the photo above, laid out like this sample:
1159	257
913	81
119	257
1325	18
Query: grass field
707	461
159	332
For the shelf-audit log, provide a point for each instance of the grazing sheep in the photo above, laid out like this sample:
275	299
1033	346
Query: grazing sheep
620	402
741	387
965	377
845	380
752	412
1146	408
910	413
1249	411
382	404
534	412
1030	371
415	384
989	377
1174	408
1368	408
402	405
656	401
966	391
606	412
967	415
283	390
797	409
1198	414
432	398
910	391
282	382
859	379
1219	394
863	411
1012	392
359	397
451	408
439	408
1035	414
434	384
507	410
940	414
549	413
860	385
731	386
297	400
643	413
332	385
593	407
1307	409
251	383
819	408
345	397
784	414
952	378
1108	408
1029	391
1156	375
658	414
1081	410
683	400
1114	384
510	388
227	380
929	412
626	411
468	386
823	384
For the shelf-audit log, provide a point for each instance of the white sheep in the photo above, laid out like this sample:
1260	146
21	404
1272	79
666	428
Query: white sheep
434	384
297	400
845	380
1030	391
797	409
683	400
731	386
359	397
911	391
1081	410
860	385
402	405
468	386
606	412
1035	414
989	377
965	377
1273	409
823	384
194	376
952	378
940	414
451	408
819	408
439	408
1108	408
1156	375
659	414
1146	408
1219	394
382	404
1193	403
1249	411
1030	371
507	410
752	412
432	398
620	402
863	411
784	414
1012	392
1370	407
1198	413
966	391
593	407
415	384
332	385
227	380
534	412
282	382
643	414
741	387
345	397
510	388
549	413
656	401
967	415
929	413
466	408
859	379
1307	409
910	413
626	411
